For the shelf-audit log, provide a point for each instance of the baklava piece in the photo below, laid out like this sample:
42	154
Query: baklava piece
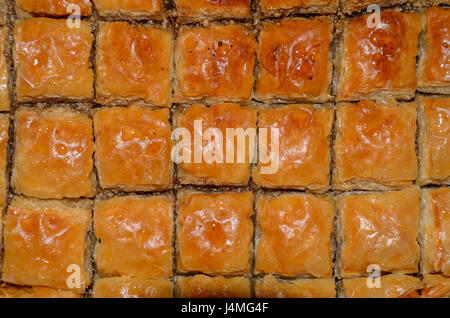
435	229
53	154
133	64
378	61
294	60
46	244
390	286
278	7
215	63
55	7
136	226
4	136
375	146
350	6
52	60
130	9
127	287
436	286
379	229
294	235
214	232
5	100
434	141
197	10
299	158
12	291
218	166
271	287
434	65
133	148
202	286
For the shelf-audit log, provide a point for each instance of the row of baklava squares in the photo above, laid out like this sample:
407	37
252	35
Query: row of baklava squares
44	240
54	150
134	63
194	10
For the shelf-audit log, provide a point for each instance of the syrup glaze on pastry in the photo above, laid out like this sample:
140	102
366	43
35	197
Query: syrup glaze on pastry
375	143
55	7
304	147
294	59
216	63
379	228
128	287
295	235
138	227
380	60
52	60
44	238
133	146
436	60
214	232
222	117
435	133
133	64
202	286
270	287
53	154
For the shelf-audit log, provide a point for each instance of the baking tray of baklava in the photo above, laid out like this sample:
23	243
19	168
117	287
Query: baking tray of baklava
224	149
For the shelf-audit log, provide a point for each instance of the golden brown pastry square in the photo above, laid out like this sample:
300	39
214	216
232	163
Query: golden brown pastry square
436	286
271	287
294	60
304	147
12	291
434	66
391	286
46	244
379	229
130	9
434	141
53	153
350	6
215	64
4	136
197	10
133	148
127	287
52	60
214	232
277	7
202	286
378	62
375	146
133	64
218	171
294	235
435	230
55	7
139	227
5	100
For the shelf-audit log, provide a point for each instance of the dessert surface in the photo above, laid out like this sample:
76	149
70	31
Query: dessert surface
224	149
